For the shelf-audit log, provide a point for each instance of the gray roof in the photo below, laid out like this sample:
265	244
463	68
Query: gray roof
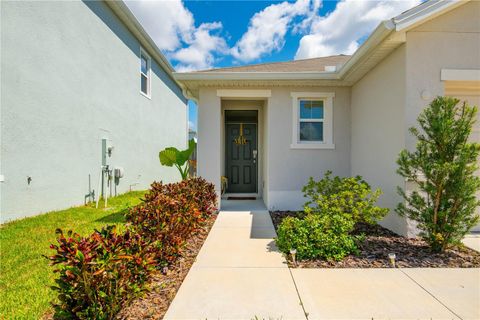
314	64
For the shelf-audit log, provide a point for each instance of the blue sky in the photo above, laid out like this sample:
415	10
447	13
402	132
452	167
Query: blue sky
198	35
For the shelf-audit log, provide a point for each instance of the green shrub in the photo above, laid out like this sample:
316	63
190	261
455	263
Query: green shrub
167	223
351	197
443	167
325	236
196	190
98	274
335	205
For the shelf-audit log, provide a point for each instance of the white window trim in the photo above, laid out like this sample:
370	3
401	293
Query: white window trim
148	75
327	98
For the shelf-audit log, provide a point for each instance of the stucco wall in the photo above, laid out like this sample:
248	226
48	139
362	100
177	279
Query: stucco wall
285	170
209	157
70	76
450	41
289	169
378	124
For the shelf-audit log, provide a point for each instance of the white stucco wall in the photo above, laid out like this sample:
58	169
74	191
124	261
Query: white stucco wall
378	124
70	76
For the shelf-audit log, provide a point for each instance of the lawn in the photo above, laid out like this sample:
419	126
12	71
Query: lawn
25	277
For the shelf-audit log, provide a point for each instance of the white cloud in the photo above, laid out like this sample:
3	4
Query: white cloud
202	46
168	22
172	26
267	29
340	31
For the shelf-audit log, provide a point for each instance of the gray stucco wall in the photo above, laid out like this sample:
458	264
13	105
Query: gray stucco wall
70	77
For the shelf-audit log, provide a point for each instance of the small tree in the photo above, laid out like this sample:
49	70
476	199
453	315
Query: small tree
443	166
171	156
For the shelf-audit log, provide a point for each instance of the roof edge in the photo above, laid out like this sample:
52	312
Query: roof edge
420	13
393	30
134	26
255	75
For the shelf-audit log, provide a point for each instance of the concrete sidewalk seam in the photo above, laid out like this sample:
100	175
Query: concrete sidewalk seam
431	294
298	293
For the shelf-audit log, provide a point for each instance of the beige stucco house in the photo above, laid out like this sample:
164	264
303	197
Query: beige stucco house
348	114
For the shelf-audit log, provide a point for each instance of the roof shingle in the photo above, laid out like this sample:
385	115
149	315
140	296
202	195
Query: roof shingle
314	64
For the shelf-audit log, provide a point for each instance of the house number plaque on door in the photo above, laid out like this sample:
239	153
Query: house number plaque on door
240	140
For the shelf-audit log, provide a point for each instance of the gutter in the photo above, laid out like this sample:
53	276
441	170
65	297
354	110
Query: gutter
255	76
428	9
384	29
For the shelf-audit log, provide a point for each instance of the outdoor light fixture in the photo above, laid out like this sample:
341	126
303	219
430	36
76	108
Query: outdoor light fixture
293	253
392	257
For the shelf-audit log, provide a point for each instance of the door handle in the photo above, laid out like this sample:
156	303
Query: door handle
254	156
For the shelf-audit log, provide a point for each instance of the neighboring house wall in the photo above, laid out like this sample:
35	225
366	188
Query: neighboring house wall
71	76
378	123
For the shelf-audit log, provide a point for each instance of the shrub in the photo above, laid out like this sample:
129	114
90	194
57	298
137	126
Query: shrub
335	205
196	190
350	196
98	274
443	167
325	236
167	223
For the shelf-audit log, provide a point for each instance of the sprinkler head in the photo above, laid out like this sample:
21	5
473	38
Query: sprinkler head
392	257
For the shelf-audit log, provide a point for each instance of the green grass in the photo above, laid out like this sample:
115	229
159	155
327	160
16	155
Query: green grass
25	276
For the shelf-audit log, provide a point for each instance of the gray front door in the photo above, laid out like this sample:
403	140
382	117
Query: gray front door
241	158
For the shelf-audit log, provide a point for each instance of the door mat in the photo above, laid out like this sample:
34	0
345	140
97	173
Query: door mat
241	198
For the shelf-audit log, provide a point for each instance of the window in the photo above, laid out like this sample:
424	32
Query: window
145	74
312	120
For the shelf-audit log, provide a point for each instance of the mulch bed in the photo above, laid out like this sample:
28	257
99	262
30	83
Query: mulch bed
379	242
164	285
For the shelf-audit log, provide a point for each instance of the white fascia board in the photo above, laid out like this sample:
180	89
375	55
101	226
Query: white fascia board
255	76
428	9
384	29
460	75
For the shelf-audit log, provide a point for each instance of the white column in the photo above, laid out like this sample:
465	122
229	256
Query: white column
209	138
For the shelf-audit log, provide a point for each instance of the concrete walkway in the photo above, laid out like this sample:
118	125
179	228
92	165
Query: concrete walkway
239	274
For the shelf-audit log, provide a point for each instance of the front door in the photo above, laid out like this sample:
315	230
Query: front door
241	157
